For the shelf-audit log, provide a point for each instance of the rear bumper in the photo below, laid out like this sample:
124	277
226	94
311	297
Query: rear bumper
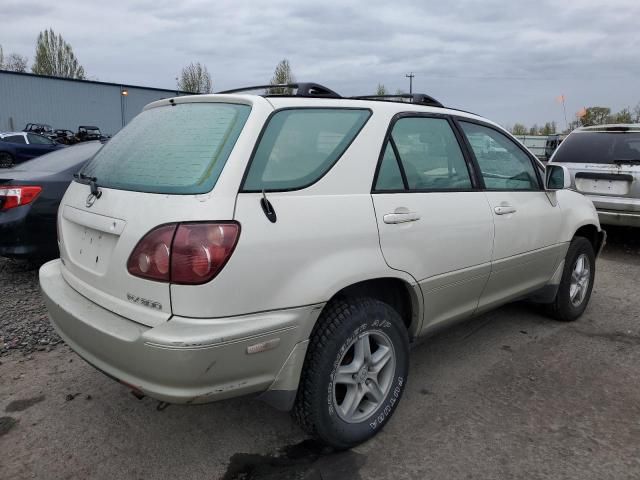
23	237
612	210
183	360
613	217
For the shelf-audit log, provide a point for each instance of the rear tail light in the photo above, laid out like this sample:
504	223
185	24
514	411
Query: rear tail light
150	258
186	253
14	196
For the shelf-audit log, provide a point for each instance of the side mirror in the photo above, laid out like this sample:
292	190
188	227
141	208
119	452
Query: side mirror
557	177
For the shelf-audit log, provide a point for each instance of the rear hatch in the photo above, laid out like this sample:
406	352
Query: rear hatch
604	164
161	168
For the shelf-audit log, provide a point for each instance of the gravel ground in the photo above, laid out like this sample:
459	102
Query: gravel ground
511	394
24	326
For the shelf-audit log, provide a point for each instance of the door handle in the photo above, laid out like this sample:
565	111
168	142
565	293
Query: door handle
504	209
403	217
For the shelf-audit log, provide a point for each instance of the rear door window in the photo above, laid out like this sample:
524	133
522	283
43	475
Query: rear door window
429	154
599	147
300	145
179	149
389	176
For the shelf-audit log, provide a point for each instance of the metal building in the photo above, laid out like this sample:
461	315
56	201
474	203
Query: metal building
67	103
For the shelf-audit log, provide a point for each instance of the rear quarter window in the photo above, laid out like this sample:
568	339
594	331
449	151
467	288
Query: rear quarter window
179	149
298	146
14	139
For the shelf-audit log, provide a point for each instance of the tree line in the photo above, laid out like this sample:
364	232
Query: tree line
586	117
55	57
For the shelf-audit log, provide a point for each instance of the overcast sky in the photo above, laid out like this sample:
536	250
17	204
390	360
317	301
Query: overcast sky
507	60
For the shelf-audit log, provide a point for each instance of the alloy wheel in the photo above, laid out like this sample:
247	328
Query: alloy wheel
363	377
580	278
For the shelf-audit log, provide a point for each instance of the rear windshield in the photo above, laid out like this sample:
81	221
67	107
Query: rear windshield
599	147
174	149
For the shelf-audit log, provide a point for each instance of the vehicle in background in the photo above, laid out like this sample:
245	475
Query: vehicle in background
535	144
29	197
39	128
604	162
66	137
293	246
552	143
18	147
88	133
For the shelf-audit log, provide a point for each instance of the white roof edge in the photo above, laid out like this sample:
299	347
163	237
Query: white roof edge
276	103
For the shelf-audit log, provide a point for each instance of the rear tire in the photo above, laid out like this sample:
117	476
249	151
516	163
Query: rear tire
6	160
354	372
577	281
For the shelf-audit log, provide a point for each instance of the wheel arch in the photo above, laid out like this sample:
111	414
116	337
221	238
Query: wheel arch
403	297
592	233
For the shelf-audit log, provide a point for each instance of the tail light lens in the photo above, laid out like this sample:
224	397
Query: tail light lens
186	253
150	258
14	196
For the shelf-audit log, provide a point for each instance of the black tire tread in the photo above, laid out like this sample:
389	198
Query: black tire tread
334	315
559	309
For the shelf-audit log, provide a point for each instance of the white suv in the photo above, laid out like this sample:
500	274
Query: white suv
295	246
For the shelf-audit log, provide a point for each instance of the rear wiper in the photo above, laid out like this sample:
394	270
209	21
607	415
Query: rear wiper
82	176
93	183
630	161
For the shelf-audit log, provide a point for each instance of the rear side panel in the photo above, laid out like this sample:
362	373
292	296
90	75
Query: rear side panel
98	236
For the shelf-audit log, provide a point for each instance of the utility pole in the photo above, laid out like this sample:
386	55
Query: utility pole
410	77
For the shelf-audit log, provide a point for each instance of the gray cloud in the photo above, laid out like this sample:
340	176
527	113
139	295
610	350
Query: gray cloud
505	60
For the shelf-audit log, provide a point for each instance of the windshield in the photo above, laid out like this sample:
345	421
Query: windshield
599	147
174	149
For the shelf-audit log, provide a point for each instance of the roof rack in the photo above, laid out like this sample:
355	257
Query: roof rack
417	98
309	89
303	89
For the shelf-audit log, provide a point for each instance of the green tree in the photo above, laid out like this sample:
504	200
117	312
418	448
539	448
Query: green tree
595	116
55	57
636	114
548	128
281	76
623	116
534	130
519	129
195	78
381	90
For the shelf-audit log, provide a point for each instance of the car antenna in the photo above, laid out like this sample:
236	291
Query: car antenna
267	208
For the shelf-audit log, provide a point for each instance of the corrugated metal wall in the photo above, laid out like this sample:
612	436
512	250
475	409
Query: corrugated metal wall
67	104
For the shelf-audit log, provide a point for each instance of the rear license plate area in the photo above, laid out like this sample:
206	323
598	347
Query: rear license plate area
602	186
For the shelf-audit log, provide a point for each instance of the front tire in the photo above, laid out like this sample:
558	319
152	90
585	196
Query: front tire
577	281
354	373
